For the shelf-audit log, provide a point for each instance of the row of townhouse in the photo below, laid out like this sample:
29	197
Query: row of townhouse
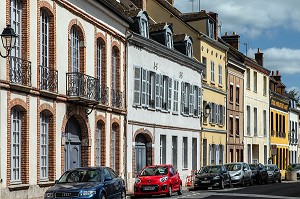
128	83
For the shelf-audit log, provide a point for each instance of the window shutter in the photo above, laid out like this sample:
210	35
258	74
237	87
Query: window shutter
169	94
148	88
213	112
161	90
224	115
199	101
191	101
157	91
137	86
210	154
217	154
144	87
182	97
217	114
175	105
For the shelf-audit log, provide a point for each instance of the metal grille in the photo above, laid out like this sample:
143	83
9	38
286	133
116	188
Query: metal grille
20	71
49	80
117	97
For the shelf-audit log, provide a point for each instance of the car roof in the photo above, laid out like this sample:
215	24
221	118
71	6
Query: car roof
159	165
88	168
236	163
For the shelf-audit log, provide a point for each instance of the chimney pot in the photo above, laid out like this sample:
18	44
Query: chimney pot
234	33
277	72
272	73
258	50
226	33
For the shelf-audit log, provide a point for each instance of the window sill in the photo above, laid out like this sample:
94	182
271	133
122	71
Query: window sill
204	79
46	183
151	109
175	113
164	111
220	85
230	102
15	187
185	169
237	104
212	82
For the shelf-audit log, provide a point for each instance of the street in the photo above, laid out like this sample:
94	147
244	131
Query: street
285	190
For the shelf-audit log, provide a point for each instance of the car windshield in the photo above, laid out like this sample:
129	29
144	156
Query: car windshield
253	166
296	166
154	171
270	167
80	175
233	167
210	169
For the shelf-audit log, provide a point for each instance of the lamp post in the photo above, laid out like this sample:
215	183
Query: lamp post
8	38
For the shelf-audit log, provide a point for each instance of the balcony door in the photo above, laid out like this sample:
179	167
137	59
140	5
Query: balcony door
72	144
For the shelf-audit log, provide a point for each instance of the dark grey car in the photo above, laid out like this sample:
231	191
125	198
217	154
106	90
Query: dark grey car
273	173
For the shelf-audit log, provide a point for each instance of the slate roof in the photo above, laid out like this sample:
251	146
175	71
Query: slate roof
156	27
178	37
194	16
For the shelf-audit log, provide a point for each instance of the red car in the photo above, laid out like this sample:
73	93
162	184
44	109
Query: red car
156	180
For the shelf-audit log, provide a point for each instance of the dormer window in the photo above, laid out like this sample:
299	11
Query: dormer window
189	49
211	29
143	24
169	39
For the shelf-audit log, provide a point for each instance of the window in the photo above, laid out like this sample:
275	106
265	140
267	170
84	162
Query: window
277	124
255	81
44	41
189	49
249	153
248	78
204	152
163	149
169	40
158	91
194	154
222	114
144	26
166	93
255	121
237	127
204	105
44	129
220	74
152	89
15	21
221	153
137	86
114	69
231	93
185	98
212	71
15	145
265	86
98	144
113	147
99	59
174	151
265	122
211	29
265	154
175	97
75	51
231	126
145	88
204	62
237	95
248	120
272	123
212	152
185	152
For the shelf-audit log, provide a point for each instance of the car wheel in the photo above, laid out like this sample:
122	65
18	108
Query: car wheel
279	180
222	184
123	194
102	196
230	184
259	181
170	191
251	182
180	190
243	182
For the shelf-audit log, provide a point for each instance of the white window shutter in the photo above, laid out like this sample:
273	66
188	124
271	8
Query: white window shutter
210	154
161	90
137	86
144	87
199	101
224	114
169	94
191	101
211	113
217	114
182	97
157	91
217	154
148	88
176	93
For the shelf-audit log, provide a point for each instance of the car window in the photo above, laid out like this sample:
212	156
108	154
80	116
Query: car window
211	169
270	167
81	175
234	167
112	173
106	174
171	171
153	171
253	167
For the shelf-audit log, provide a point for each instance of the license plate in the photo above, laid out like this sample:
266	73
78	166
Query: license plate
149	188
205	181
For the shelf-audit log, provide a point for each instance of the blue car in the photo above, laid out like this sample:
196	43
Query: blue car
90	182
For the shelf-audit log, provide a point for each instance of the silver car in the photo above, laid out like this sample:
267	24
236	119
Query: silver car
240	173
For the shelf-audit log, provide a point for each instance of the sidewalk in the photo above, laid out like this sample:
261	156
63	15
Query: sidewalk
131	194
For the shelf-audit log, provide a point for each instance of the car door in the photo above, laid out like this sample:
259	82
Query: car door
174	178
247	172
225	174
117	183
108	183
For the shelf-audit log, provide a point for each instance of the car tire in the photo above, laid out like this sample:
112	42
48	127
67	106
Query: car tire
102	196
222	184
251	182
180	190
243	182
123	194
230	184
169	194
279	180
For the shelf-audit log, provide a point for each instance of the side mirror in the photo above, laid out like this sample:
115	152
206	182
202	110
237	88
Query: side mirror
107	178
245	169
56	181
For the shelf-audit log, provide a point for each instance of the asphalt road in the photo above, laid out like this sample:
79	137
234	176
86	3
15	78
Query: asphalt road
285	190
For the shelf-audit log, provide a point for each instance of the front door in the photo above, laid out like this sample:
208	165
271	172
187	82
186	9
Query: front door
72	145
140	153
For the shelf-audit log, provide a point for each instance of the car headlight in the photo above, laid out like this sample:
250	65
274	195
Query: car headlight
49	195
88	193
238	174
137	180
216	178
164	179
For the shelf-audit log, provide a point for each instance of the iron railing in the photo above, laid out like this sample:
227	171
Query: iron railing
104	95
117	98
20	71
83	86
49	79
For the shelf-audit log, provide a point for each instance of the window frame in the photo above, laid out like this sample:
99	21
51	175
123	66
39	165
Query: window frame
44	132
15	173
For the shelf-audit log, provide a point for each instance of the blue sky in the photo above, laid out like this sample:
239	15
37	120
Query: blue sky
271	25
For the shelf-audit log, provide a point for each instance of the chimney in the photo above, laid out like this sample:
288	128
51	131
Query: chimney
171	2
215	17
259	57
233	40
140	4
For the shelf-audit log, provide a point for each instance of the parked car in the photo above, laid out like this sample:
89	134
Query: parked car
273	173
240	173
259	173
212	176
156	180
296	167
90	182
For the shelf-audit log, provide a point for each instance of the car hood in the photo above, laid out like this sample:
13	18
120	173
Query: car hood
207	175
151	179
232	173
74	186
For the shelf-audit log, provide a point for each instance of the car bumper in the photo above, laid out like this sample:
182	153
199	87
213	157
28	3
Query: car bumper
152	189
211	183
236	180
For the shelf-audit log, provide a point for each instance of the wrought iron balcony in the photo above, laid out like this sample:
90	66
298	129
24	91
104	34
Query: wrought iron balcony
48	80
104	95
117	98
83	88
20	71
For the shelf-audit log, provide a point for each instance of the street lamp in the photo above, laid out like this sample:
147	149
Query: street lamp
207	110
8	38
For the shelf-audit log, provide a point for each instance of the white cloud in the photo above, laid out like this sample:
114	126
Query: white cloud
286	60
249	18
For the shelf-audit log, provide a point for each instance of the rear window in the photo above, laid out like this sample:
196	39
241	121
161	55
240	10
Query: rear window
253	167
154	171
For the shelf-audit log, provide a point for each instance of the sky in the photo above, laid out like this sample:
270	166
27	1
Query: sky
271	25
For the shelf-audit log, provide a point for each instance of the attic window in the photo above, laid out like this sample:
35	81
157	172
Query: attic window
211	29
144	25
169	39
189	49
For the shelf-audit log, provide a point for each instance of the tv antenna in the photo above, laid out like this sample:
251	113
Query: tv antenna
220	27
192	1
245	44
